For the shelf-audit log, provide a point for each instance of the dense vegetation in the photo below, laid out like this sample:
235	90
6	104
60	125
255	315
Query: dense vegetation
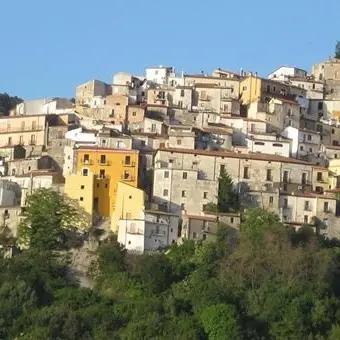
274	284
8	103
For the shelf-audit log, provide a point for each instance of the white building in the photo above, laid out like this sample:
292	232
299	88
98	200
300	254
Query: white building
284	73
274	146
160	74
155	230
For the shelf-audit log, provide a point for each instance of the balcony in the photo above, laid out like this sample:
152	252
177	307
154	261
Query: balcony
127	178
86	161
21	129
104	162
128	164
205	98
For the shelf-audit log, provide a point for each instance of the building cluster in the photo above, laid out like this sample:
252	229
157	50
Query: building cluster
144	154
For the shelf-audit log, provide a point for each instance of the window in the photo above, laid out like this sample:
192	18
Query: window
185	175
204	236
127	160
34	126
21	140
102	159
103	141
289	122
222	169
289	112
319	176
310	150
336	155
304	179
157	229
85	172
285	217
307	206
166	174
333	131
142	143
319	128
320	105
285	176
153	127
102	173
305	219
183	193
301	147
86	158
9	142
319	190
205	195
309	137
134	114
246	172
194	235
259	143
97	185
182	93
81	199
244	88
105	186
268	88
165	192
326	207
285	203
271	200
231	219
269	176
182	206
82	187
278	145
179	141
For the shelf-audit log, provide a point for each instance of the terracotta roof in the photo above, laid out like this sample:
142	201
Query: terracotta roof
246	119
202	217
100	148
332	147
229	154
24	116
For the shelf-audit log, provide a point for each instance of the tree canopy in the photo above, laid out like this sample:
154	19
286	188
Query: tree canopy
274	283
8	103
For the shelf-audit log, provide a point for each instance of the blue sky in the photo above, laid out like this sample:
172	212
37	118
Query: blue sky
49	47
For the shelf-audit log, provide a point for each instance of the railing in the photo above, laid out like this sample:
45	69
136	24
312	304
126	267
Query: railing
128	164
104	162
102	176
21	129
86	161
129	178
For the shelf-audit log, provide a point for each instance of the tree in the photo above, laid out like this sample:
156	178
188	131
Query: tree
227	196
8	103
337	50
47	219
221	322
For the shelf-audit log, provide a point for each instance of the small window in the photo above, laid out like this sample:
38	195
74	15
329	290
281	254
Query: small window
326	207
320	105
127	160
231	219
97	185
166	174
85	172
105	186
102	173
305	219
102	159
269	176
271	200
82	187
185	175
205	195
81	199
259	143
246	172
222	169
244	88
179	142
103	141
278	145
333	131
183	193
194	235
165	192
301	147
309	137
182	93
182	206
134	113
336	155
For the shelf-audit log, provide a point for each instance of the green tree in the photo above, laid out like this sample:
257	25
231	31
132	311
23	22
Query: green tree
221	322
227	196
47	219
337	50
8	103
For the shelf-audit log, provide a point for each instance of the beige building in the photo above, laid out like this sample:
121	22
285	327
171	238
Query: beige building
160	96
22	130
135	115
93	88
182	97
181	136
259	179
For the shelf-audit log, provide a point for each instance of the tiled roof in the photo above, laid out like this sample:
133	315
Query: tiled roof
229	154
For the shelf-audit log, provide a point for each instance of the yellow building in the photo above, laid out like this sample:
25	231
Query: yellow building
79	190
254	88
109	167
130	203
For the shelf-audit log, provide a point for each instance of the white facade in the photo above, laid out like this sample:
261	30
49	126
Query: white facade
273	147
159	75
78	136
155	230
285	72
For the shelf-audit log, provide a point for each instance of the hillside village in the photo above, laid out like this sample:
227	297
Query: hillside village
144	156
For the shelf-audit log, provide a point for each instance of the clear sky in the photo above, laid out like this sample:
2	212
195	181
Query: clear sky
48	47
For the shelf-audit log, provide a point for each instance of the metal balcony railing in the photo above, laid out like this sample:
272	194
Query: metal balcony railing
129	164
104	162
86	161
